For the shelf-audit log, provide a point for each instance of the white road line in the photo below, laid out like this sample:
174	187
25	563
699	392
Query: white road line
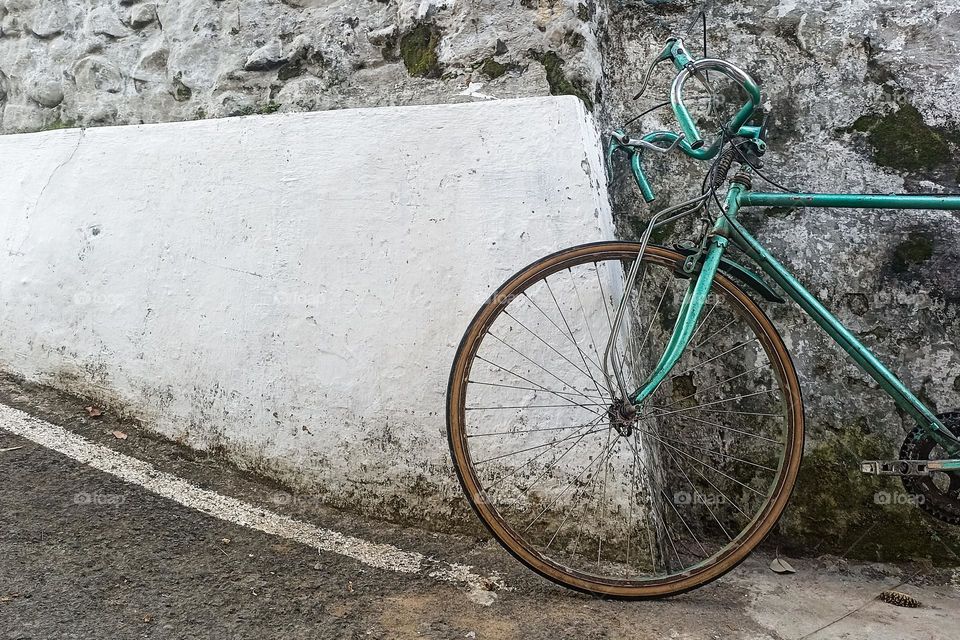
143	474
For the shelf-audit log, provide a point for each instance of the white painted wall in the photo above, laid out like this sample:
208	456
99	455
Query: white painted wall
288	288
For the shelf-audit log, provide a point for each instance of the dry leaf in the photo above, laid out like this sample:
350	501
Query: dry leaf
119	435
779	565
148	618
94	412
225	541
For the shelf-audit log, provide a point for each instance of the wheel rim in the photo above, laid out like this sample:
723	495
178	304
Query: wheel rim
525	462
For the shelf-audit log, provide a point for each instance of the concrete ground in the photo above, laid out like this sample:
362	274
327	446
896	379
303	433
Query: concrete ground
85	554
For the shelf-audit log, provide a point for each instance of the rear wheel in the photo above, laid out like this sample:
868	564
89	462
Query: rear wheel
579	488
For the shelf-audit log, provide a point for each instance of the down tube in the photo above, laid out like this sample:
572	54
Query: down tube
863	356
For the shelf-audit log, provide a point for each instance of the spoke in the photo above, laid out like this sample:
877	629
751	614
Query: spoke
711	451
700	364
551	320
745	413
504	369
715	333
539	406
569	509
513	386
510	433
631	348
517	470
723	426
703	322
557	532
653	317
633	484
686	526
713	386
553	463
592	489
604	296
701	462
583	313
653	504
583	356
628	317
606	310
549	346
718	490
539	446
703	498
707	404
569	484
603	499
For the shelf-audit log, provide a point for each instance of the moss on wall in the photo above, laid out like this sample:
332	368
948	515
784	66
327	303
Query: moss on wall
290	70
915	250
492	69
559	84
418	50
837	509
902	140
58	124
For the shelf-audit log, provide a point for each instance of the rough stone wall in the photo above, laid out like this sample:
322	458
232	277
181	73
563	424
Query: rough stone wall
96	62
863	95
864	98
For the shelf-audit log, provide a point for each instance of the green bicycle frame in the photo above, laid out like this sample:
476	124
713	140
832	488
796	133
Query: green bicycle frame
728	229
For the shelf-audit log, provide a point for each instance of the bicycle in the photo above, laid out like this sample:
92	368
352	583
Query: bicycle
654	460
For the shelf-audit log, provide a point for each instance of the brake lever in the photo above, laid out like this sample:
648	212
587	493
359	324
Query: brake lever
626	141
763	125
646	77
663	55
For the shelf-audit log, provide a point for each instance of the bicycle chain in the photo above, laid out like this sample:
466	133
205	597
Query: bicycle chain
942	505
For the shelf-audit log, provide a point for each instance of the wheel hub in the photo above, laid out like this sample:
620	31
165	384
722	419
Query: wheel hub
622	416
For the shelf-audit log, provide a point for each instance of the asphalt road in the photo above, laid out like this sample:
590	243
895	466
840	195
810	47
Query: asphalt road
84	554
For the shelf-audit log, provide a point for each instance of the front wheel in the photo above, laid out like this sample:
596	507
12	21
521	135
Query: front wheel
598	498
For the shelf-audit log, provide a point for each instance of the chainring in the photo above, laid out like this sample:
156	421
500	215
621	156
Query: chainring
939	493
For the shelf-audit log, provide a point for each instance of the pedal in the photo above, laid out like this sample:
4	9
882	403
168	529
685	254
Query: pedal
896	467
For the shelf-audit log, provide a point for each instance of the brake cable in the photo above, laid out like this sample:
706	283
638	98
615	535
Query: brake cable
653	108
756	170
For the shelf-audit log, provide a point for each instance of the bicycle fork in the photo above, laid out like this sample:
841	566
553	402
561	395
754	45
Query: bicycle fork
685	326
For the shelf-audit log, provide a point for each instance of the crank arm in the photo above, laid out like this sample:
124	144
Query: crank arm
907	467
